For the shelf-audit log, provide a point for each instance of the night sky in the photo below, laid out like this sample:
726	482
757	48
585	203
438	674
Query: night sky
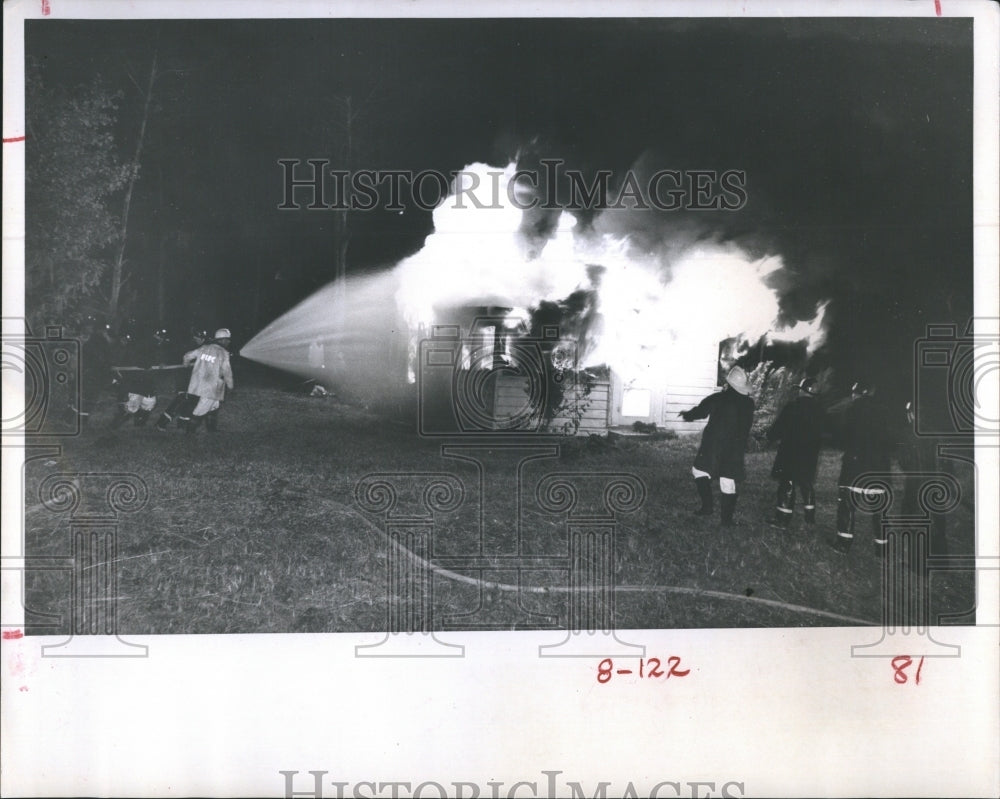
856	137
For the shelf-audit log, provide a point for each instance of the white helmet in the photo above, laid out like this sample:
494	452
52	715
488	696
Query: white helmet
737	378
222	332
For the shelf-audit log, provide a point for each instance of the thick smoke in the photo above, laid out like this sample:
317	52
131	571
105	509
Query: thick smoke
659	292
646	306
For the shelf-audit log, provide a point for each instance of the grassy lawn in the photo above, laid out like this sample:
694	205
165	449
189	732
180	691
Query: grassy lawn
257	529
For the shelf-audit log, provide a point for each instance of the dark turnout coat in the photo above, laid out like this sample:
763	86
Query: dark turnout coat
724	440
799	430
866	439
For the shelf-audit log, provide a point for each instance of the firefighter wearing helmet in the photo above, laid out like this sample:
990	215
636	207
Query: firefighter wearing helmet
798	431
867	446
211	376
723	442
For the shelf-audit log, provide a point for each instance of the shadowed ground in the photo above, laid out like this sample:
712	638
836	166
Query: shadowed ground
256	529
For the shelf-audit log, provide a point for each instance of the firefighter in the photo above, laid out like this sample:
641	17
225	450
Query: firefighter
161	347
182	403
723	442
798	431
210	377
866	449
138	381
917	457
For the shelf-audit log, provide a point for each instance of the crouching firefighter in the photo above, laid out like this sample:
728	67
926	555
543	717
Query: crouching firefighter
798	431
723	442
138	387
182	404
211	376
866	450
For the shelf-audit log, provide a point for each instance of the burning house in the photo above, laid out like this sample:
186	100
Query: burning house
493	327
490	370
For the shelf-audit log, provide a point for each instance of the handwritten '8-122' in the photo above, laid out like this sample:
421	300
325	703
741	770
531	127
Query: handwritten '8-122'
649	668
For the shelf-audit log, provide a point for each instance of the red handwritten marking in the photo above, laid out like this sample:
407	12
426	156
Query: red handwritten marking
675	662
12	635
13	139
937	7
899	666
606	669
23	688
45	8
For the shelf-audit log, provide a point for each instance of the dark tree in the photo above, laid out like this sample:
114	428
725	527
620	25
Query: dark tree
72	178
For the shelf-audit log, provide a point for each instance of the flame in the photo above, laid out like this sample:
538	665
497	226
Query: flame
475	256
813	331
654	317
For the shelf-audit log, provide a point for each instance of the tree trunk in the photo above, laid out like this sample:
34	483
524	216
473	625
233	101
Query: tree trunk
118	276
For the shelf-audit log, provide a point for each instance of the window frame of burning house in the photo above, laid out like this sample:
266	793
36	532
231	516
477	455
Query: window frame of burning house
487	347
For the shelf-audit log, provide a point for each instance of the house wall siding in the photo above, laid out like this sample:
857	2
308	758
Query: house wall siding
600	409
587	410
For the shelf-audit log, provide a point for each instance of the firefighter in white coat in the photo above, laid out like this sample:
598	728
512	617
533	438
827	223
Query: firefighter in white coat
210	377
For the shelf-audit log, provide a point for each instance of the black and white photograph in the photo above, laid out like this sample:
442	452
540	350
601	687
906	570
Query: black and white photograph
400	338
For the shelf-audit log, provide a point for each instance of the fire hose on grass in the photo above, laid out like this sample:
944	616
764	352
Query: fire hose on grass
629	589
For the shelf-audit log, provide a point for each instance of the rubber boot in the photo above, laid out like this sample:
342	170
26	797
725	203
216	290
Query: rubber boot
784	504
212	421
880	538
172	411
844	538
704	486
727	505
193	425
809	502
141	417
175	404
